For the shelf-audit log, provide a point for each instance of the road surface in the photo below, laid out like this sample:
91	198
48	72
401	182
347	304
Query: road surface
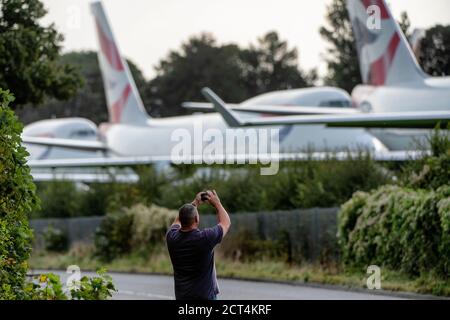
157	287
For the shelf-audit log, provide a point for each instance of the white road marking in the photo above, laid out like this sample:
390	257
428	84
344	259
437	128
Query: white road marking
145	294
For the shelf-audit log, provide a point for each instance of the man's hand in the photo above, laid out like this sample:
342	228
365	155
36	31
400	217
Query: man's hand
198	199
213	198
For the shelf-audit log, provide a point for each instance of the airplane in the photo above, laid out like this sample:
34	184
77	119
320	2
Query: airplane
396	101
132	137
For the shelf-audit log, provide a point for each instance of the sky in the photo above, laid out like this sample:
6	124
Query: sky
147	30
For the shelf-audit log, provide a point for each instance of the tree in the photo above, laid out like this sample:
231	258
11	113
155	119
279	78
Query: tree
17	200
405	24
199	63
272	66
234	73
90	101
434	56
29	55
342	59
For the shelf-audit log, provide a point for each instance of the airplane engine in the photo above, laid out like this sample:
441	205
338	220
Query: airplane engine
65	128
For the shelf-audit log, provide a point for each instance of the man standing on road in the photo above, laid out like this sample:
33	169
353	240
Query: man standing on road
192	250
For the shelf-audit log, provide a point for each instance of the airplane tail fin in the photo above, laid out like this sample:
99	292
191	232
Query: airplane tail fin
385	56
122	97
230	118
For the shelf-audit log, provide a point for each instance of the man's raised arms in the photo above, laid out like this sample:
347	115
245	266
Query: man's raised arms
222	215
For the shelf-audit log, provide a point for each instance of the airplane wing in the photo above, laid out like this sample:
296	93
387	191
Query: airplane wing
272	110
85	145
202	106
416	120
96	162
84	177
227	158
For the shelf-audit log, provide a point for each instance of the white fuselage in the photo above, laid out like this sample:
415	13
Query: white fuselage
429	94
159	137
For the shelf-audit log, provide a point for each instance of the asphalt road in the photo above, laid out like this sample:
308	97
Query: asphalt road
156	287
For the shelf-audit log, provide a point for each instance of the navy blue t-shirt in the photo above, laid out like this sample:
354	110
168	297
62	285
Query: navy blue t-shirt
192	255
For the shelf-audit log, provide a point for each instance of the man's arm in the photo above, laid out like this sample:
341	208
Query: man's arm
197	200
222	215
177	220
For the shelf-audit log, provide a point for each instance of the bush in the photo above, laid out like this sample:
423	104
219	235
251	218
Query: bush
17	200
94	288
331	183
59	199
149	224
431	171
405	227
397	227
297	185
55	239
113	237
49	287
64	199
97	199
137	227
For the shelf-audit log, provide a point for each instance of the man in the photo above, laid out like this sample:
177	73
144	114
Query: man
192	250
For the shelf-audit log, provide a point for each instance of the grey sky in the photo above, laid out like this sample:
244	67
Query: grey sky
147	29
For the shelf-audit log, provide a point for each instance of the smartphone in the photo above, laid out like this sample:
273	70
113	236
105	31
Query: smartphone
204	196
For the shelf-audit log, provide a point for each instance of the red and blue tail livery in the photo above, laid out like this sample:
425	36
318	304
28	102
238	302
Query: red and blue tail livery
124	103
385	56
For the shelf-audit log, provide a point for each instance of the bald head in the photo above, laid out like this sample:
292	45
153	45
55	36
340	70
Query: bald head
188	215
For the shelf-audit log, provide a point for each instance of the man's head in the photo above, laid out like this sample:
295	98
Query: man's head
188	215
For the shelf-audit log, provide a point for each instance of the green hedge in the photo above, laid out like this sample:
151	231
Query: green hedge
17	200
398	227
